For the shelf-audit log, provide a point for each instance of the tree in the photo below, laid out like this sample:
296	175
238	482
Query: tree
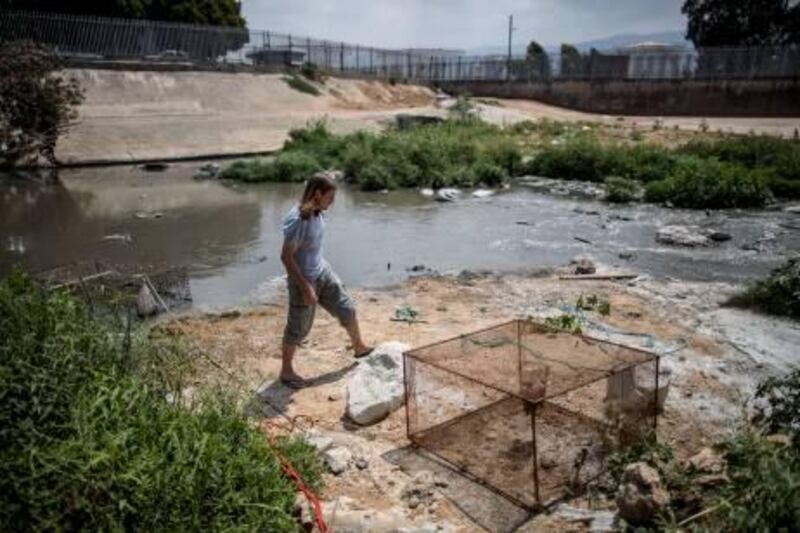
538	62
752	23
36	104
211	12
571	61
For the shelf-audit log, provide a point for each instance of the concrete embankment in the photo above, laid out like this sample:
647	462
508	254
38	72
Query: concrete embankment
144	115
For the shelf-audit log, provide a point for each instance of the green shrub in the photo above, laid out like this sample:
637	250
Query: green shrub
752	152
778	405
313	72
489	173
376	176
708	183
782	187
300	84
505	153
89	440
777	294
764	492
643	163
580	160
294	166
621	190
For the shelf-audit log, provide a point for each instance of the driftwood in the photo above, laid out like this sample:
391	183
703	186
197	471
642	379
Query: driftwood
82	280
620	275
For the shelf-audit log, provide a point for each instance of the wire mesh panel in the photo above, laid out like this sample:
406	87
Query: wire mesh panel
529	411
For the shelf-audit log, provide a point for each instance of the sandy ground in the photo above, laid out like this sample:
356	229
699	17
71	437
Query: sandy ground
715	355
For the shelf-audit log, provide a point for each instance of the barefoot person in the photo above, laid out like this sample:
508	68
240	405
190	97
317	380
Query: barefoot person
311	280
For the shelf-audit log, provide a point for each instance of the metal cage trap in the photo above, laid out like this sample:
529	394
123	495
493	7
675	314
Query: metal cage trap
529	411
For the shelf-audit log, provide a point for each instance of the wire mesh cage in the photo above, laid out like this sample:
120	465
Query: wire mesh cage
530	411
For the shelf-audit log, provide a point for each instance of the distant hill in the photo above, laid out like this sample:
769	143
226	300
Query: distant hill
606	43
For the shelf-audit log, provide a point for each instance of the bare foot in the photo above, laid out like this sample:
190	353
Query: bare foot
362	351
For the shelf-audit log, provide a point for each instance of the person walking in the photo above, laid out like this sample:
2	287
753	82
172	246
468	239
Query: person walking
310	278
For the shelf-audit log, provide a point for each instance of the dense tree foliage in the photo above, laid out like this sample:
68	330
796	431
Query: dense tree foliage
752	23
213	12
36	102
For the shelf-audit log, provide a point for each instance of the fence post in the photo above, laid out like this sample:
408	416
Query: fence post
341	57
308	50
371	64
357	61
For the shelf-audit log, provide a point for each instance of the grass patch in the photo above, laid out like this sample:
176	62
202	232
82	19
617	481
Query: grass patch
299	83
777	294
90	439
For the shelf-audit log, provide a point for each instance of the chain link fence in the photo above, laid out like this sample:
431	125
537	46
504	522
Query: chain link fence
103	39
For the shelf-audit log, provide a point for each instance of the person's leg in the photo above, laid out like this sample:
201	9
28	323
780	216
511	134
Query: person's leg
335	300
298	324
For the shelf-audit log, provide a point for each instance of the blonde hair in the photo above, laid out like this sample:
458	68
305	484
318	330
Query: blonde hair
317	182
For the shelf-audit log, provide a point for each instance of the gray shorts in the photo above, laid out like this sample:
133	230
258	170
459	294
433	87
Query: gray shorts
331	295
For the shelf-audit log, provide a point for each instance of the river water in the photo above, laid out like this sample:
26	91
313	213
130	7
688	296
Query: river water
228	235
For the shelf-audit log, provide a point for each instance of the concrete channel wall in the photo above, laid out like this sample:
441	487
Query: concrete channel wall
731	98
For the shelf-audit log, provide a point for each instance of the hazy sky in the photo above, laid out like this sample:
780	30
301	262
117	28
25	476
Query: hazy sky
462	23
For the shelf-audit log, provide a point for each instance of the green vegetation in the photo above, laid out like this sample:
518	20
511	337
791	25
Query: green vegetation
37	103
456	152
96	434
708	183
464	151
565	322
621	190
741	172
301	84
777	294
760	487
594	303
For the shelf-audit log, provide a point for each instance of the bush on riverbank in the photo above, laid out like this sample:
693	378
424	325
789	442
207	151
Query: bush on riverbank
90	440
777	294
685	181
708	183
454	153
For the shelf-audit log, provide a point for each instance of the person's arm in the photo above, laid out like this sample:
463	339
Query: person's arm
295	274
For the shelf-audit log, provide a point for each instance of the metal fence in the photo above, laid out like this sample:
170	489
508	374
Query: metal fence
104	39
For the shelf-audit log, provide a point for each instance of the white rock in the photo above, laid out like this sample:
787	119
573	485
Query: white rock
682	236
337	459
376	388
482	193
447	195
318	441
597	521
792	209
427	192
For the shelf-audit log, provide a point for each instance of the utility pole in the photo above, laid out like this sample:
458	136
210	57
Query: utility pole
510	32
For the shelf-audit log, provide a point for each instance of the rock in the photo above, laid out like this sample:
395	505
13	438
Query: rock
682	236
362	464
318	441
144	215
641	497
146	303
482	193
376	388
427	192
792	209
583	265
707	461
547	461
209	171
628	256
596	521
719	236
447	195
416	268
337	459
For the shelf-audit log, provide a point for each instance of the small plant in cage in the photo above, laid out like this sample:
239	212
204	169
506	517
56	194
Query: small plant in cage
703	125
564	322
594	303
